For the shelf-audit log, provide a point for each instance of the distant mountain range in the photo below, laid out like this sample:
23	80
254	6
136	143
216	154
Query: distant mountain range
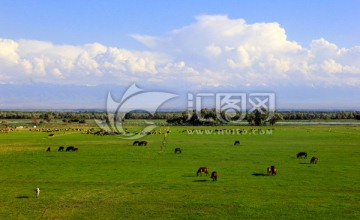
39	96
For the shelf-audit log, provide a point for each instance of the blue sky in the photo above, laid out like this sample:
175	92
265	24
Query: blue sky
307	52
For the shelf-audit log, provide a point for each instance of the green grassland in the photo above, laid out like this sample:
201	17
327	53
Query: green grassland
108	178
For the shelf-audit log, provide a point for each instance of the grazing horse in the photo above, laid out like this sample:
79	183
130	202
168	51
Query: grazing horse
70	148
61	148
48	150
143	143
301	155
268	170
314	160
273	170
178	150
236	143
202	169
214	175
136	143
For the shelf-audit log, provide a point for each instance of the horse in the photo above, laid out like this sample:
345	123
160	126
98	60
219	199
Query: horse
301	155
143	143
48	149
236	143
202	169
273	170
76	149
313	160
61	148
214	175
136	143
178	150
268	170
70	148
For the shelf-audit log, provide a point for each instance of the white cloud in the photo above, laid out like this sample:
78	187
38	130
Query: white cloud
57	73
330	66
8	54
214	51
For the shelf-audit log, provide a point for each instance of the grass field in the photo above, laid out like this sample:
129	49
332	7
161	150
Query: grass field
108	178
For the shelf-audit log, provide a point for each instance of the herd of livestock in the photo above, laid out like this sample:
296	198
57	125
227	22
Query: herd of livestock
62	148
271	170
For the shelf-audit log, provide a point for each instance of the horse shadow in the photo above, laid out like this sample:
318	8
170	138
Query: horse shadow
199	181
22	197
259	174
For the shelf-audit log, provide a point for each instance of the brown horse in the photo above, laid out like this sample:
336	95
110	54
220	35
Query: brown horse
273	170
214	175
202	169
178	150
236	143
48	150
268	170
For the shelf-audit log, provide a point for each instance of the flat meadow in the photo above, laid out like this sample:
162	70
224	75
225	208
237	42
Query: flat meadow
109	178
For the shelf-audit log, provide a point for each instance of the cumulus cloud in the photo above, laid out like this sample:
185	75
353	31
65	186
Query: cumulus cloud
214	51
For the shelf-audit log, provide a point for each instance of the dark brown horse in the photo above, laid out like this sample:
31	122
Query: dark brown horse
214	175
48	150
178	150
202	169
301	155
236	143
136	143
70	148
61	148
143	143
314	160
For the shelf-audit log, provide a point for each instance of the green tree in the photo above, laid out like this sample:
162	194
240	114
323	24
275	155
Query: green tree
258	117
276	117
49	116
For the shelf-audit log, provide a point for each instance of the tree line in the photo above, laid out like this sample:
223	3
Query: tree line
204	117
